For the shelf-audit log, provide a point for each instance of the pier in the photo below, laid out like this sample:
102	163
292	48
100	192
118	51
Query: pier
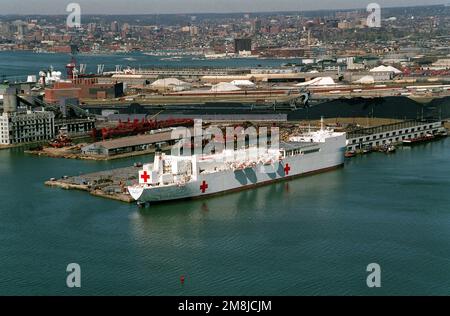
393	133
111	184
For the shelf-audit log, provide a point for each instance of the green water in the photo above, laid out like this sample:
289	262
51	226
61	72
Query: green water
310	236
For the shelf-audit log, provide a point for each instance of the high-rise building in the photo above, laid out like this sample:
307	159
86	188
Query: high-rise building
256	26
92	27
115	27
242	44
193	30
125	27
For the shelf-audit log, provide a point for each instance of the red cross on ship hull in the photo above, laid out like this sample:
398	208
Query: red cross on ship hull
287	169
203	186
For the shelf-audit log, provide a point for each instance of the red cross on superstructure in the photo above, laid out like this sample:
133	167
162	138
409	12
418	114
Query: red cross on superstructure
204	186
145	176
287	169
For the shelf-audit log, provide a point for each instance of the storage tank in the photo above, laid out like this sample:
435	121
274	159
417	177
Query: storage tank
10	100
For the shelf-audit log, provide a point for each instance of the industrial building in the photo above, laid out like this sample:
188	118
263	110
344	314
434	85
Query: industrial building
271	77
83	88
128	144
74	127
26	127
18	127
379	76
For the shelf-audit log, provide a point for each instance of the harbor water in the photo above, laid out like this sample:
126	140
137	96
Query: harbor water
17	65
309	236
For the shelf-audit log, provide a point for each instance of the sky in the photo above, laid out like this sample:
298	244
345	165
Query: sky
191	6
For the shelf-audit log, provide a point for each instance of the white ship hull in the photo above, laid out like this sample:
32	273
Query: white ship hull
329	155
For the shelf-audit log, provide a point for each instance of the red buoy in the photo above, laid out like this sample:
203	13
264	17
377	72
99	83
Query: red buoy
182	278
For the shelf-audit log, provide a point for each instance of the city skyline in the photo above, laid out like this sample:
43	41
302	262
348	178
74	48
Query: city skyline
52	7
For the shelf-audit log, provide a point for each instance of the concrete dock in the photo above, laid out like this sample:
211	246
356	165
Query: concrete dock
111	184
